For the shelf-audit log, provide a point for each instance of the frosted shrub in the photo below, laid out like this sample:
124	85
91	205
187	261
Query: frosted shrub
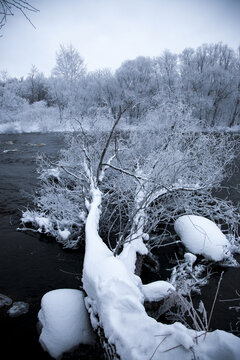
175	170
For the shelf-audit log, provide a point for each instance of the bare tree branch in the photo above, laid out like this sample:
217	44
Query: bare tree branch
120	113
7	9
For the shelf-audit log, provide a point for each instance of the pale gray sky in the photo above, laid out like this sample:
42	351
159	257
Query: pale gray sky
107	32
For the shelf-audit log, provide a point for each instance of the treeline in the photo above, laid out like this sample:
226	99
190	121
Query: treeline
205	80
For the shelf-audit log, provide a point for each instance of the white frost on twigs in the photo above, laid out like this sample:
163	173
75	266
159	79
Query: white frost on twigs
42	223
65	321
53	172
157	290
64	234
18	308
202	236
5	300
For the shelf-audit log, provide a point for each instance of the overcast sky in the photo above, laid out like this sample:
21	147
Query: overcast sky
107	32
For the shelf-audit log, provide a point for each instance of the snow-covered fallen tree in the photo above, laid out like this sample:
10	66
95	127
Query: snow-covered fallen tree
114	189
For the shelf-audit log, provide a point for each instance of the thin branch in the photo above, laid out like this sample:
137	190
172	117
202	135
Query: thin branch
214	301
99	169
125	172
157	347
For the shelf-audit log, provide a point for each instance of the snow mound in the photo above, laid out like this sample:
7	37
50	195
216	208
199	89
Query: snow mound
18	308
157	290
202	236
65	321
190	258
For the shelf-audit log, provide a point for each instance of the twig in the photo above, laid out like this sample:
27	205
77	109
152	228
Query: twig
69	273
214	301
125	172
157	348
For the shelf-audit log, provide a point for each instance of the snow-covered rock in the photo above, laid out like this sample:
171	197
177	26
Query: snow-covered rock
157	290
18	308
65	321
5	300
202	236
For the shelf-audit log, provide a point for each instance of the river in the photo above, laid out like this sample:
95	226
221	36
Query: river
31	265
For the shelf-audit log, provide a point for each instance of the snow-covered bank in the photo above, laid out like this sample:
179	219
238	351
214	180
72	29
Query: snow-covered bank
30	119
51	124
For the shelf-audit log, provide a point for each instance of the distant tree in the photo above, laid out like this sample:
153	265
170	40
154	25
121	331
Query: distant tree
11	103
235	105
208	81
104	91
66	82
69	64
136	81
34	87
167	76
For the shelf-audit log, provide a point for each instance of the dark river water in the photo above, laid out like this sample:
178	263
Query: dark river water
31	265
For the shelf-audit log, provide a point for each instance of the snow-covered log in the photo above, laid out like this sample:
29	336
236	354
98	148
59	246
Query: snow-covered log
115	297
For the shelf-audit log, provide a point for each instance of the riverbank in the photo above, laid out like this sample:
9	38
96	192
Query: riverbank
31	265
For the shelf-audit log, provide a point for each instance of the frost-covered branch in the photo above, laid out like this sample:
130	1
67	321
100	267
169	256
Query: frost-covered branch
7	8
109	138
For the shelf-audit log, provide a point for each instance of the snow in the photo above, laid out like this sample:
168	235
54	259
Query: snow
190	258
9	151
115	303
65	321
18	308
43	223
53	172
129	254
201	236
157	290
64	234
135	241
